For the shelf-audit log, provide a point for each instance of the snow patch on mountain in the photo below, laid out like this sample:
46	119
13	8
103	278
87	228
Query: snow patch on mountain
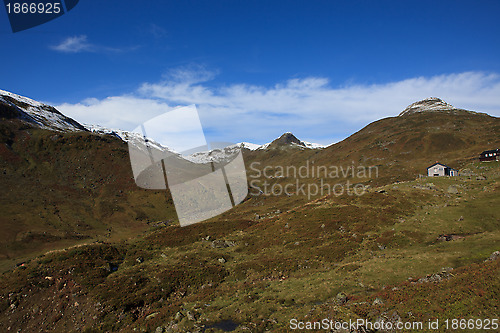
38	114
312	145
431	104
249	146
47	117
22	99
214	155
134	138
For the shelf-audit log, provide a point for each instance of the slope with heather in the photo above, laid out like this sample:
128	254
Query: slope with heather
408	249
405	145
67	188
378	255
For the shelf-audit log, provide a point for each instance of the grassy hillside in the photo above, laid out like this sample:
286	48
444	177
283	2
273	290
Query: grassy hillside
65	188
409	248
330	258
403	147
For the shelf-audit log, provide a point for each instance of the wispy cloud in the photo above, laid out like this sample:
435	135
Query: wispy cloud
157	31
189	75
74	44
309	107
78	44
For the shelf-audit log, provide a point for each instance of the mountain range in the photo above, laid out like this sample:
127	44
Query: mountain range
80	240
42	145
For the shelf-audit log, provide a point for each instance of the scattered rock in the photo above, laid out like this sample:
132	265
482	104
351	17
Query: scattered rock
159	329
431	278
220	244
159	223
179	316
222	260
481	178
139	259
151	316
341	298
378	301
467	172
323	226
386	318
267	215
171	327
437	277
449	237
444	238
494	256
452	189
427	186
190	316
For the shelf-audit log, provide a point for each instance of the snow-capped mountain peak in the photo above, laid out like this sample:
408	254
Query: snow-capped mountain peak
44	116
249	146
431	104
289	140
36	113
133	138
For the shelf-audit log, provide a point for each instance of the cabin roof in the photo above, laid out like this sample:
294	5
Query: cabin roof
491	151
437	163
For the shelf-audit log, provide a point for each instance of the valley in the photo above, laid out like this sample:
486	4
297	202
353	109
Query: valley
84	249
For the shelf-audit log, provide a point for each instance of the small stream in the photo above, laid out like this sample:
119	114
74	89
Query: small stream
225	325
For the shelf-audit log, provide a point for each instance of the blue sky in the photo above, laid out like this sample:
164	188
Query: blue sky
255	69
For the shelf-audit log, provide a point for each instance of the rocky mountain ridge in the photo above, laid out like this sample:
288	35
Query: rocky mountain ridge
47	117
35	113
431	104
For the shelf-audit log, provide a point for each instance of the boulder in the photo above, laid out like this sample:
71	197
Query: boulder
494	256
341	298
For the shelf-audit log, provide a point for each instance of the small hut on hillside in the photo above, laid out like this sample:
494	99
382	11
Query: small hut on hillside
490	155
440	169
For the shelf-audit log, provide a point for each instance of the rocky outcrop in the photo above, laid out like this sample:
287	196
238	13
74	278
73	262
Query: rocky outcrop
431	104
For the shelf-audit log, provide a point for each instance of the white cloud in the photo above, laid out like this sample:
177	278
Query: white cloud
73	45
308	107
118	112
78	44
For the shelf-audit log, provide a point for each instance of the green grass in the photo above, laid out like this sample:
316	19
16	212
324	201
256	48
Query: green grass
288	257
